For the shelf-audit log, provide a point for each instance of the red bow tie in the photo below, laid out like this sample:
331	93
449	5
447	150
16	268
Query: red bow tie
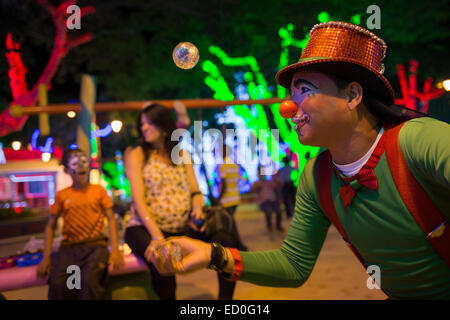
366	177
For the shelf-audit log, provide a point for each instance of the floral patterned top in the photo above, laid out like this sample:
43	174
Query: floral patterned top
168	196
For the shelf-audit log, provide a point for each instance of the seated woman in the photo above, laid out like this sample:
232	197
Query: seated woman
166	197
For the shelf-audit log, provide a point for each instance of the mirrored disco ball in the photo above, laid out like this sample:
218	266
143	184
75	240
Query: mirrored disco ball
185	55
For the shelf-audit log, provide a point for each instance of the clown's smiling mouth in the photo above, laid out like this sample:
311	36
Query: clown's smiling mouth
300	122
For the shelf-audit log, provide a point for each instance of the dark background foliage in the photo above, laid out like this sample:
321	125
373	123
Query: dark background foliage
131	53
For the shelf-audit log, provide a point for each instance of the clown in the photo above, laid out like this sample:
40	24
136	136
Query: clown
384	180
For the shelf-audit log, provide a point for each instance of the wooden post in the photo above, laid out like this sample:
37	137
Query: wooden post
44	126
87	114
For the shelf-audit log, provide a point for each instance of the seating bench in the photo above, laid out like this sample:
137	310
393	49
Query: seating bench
25	277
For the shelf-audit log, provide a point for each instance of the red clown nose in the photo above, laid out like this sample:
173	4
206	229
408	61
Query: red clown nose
288	109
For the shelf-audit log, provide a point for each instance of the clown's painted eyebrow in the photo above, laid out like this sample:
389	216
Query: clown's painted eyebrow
299	81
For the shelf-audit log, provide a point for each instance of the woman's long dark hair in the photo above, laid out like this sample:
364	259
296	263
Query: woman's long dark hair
161	117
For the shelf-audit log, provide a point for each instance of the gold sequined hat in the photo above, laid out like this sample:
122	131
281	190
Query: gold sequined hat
347	51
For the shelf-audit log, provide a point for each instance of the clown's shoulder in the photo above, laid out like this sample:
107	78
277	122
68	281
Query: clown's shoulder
424	136
424	125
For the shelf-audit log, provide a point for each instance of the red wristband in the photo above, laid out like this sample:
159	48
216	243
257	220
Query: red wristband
238	266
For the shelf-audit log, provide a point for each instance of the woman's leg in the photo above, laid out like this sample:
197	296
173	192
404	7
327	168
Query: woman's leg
138	239
226	288
240	245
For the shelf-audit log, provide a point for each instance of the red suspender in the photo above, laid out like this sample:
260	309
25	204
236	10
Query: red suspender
426	214
420	206
324	175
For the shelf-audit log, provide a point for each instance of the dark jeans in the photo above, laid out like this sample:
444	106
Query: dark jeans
93	263
288	192
138	238
268	207
240	245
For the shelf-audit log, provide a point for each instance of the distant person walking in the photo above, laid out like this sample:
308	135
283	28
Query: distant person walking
267	199
288	189
230	197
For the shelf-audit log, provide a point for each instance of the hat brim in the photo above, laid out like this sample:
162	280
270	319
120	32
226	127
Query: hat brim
371	80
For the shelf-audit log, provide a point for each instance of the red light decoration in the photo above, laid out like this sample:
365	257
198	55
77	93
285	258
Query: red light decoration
24	154
17	70
408	87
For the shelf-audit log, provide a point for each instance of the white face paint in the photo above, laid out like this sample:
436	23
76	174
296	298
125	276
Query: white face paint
78	164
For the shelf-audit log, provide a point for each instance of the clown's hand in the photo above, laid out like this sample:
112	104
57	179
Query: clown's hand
195	255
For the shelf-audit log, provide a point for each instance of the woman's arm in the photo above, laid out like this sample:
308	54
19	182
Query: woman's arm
288	266
134	164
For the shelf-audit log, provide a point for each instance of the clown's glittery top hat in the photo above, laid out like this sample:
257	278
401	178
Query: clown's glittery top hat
347	51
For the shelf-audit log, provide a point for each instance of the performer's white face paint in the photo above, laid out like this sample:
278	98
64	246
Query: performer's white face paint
300	91
78	163
320	108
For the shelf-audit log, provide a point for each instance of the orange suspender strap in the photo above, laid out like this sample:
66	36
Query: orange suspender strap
324	174
426	214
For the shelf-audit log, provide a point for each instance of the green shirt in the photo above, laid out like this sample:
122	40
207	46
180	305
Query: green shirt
377	223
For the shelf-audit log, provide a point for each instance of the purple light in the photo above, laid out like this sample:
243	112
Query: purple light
34	138
47	148
102	132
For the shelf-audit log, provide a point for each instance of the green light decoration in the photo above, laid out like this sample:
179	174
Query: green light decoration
289	135
94	146
216	82
356	19
294	175
258	89
115	177
323	17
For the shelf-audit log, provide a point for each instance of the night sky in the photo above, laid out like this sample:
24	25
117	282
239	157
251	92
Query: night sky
131	50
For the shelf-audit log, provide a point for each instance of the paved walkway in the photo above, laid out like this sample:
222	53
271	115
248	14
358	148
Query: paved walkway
337	275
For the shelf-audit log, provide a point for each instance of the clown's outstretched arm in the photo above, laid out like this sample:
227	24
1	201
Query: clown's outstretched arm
288	266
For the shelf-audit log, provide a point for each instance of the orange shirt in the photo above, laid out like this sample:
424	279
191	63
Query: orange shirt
82	211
